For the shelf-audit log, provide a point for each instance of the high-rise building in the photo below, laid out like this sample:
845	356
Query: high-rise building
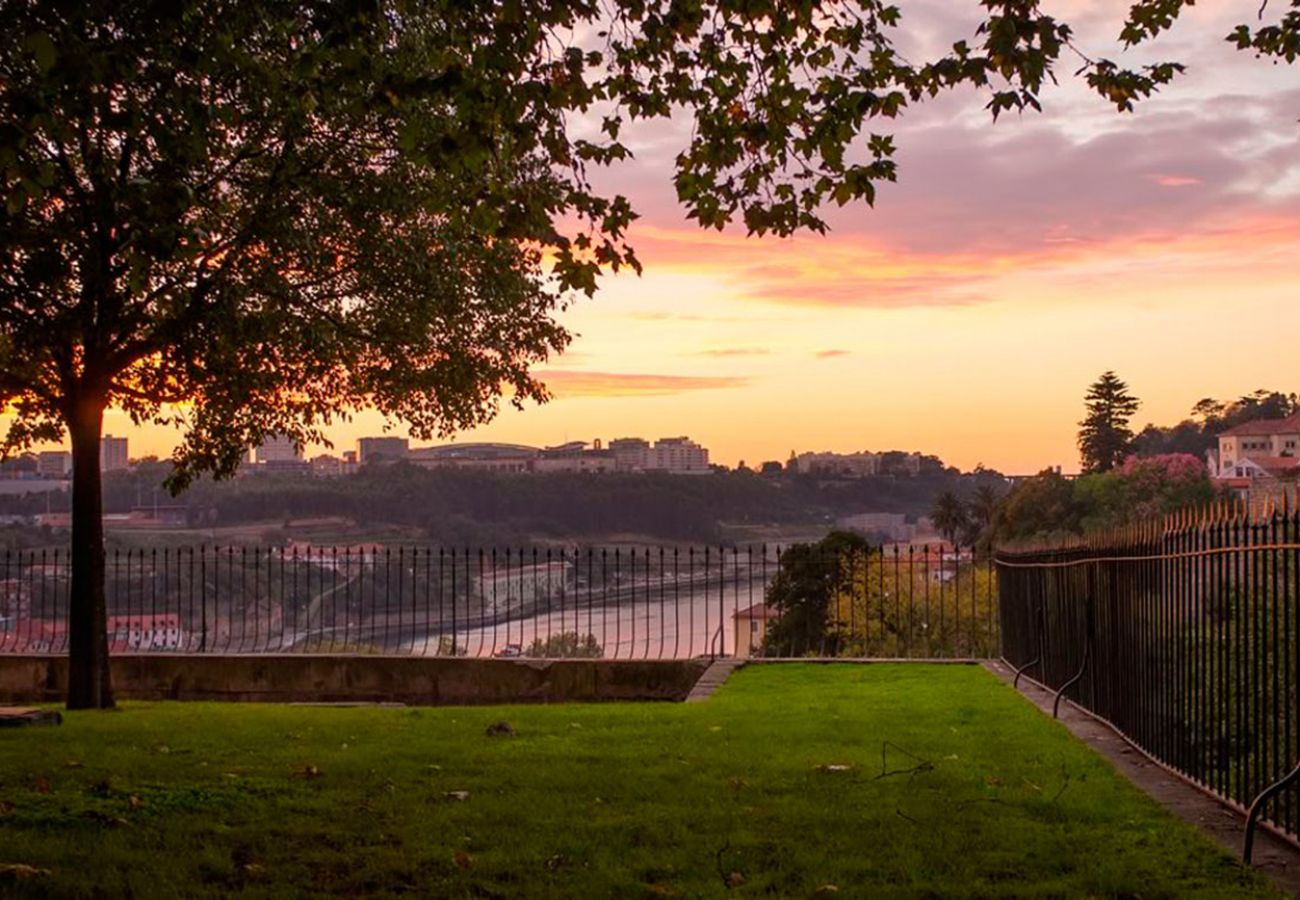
112	453
630	454
382	449
278	448
679	454
672	454
53	463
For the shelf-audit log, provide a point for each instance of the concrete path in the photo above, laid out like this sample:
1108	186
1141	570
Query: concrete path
712	679
1277	859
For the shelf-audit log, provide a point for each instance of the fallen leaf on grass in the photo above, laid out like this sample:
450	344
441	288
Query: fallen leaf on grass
735	879
134	802
828	889
993	781
74	764
42	785
308	771
830	768
463	860
457	795
21	872
500	729
6	807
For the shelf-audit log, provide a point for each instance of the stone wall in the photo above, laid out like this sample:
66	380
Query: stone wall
371	679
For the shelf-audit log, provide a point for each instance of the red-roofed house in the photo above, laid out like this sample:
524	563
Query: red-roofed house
1258	440
751	627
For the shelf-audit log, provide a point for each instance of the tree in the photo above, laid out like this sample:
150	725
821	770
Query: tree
244	219
1185	437
1104	434
889	605
1042	506
981	510
803	590
949	516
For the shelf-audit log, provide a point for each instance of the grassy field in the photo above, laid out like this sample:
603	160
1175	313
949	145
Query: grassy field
774	786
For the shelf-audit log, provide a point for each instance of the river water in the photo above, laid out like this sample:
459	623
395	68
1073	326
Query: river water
656	625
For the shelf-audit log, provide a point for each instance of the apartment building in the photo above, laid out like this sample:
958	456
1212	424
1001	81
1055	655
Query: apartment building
382	449
278	448
112	453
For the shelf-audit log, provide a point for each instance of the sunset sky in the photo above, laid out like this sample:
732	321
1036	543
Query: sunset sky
966	314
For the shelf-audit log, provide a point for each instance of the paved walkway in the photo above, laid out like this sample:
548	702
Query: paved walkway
1274	857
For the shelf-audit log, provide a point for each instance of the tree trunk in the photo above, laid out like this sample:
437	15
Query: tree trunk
88	677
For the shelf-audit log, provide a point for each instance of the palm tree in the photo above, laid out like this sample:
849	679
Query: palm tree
949	515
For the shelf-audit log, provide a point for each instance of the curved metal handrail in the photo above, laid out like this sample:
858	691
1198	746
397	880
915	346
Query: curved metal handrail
1257	807
1056	702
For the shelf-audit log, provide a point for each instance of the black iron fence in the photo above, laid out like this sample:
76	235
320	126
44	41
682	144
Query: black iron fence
622	603
1182	635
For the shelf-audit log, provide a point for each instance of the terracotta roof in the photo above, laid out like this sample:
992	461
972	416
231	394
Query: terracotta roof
757	611
1289	425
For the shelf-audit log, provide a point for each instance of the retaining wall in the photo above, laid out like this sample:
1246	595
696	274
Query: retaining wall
371	679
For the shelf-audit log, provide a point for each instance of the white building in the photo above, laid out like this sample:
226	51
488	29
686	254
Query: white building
857	465
630	454
677	455
53	463
382	449
278	448
159	631
510	585
112	453
1263	439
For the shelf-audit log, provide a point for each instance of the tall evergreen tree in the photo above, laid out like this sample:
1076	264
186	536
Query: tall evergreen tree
1104	434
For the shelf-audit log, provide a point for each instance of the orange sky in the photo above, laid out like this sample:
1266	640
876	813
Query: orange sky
967	313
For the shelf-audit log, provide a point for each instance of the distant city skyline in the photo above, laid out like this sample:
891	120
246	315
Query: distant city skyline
966	314
729	448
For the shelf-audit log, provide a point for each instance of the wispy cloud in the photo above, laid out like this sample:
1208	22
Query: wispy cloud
1175	181
626	384
831	354
724	352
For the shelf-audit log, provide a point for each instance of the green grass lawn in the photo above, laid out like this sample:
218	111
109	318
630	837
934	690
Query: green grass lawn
771	787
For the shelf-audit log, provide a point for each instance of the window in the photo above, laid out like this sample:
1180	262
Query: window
753	626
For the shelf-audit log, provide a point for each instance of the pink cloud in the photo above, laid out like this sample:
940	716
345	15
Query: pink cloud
831	354
1175	181
623	384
